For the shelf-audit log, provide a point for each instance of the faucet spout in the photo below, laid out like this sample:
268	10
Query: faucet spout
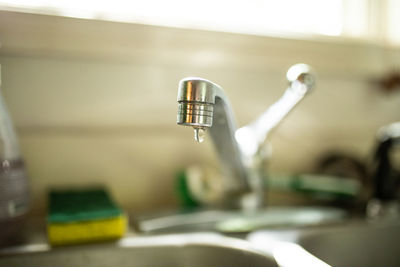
203	105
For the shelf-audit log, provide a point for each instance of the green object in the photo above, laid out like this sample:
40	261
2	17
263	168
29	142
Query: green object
81	205
183	191
320	186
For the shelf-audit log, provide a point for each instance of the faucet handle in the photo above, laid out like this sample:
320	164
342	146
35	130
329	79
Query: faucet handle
250	137
301	78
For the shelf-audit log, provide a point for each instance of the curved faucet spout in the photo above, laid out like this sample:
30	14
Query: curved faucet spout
203	104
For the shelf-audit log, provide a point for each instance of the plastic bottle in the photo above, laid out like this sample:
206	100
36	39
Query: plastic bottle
14	188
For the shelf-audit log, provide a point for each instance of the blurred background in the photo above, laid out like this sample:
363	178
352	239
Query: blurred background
91	85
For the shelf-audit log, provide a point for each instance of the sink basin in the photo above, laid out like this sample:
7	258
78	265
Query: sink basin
201	249
356	243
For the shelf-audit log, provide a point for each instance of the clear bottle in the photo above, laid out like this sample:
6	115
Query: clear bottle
14	188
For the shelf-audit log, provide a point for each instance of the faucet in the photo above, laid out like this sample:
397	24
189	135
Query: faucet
203	105
385	175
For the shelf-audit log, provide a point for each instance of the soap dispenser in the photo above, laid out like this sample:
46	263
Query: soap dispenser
14	188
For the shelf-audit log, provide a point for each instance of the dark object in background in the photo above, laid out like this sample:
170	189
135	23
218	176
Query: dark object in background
389	83
385	173
380	177
346	166
343	165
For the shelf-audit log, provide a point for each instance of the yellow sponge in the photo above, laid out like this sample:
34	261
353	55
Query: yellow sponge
89	231
80	216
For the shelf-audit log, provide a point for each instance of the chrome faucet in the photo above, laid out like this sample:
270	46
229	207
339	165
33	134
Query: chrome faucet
203	105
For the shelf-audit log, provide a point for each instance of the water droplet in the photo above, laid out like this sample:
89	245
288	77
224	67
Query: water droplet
199	134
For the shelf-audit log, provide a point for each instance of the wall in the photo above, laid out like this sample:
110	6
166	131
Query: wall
95	102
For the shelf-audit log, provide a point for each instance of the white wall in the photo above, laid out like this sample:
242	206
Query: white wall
96	101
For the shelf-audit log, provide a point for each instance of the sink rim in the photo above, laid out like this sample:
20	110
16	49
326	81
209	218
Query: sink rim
132	241
213	219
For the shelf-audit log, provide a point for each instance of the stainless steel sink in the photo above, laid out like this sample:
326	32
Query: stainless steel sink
360	244
356	243
201	249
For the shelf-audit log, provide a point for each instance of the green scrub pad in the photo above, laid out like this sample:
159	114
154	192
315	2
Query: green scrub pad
83	215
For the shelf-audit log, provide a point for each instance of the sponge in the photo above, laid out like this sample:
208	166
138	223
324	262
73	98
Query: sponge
83	215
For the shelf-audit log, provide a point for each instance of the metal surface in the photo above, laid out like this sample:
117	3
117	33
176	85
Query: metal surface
203	249
252	136
357	243
203	104
231	221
